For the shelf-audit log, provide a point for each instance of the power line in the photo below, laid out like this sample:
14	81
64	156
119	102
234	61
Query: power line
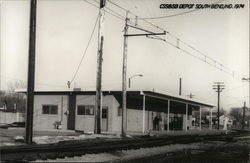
111	12
218	87
206	59
85	50
210	61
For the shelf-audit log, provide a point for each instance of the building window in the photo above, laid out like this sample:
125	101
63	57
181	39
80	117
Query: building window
119	113
50	109
104	112
85	110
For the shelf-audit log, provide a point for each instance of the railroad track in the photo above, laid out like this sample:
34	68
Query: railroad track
78	148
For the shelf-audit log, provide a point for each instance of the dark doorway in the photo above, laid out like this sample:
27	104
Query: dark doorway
176	123
104	126
72	110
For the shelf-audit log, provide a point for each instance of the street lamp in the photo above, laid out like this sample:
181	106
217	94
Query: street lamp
243	118
129	79
246	79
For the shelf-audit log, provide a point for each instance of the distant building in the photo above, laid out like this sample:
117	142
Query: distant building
3	105
226	119
74	110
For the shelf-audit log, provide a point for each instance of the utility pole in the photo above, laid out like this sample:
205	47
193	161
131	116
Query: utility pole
31	73
218	87
191	95
97	127
124	79
124	67
243	117
180	87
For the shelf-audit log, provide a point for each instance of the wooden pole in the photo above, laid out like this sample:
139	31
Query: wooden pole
180	84
124	79
31	74
186	117
97	127
200	117
243	117
211	119
168	113
218	111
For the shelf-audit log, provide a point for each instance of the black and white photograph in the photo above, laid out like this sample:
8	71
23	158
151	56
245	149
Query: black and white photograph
124	81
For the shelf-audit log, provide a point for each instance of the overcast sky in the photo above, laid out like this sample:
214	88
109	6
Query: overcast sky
64	28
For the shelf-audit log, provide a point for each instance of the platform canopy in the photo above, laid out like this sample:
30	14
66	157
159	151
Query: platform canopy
154	101
159	102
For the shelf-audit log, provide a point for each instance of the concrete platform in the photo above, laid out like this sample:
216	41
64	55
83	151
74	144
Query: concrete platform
180	132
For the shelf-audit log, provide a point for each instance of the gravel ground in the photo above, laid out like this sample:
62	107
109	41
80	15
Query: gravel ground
209	151
127	154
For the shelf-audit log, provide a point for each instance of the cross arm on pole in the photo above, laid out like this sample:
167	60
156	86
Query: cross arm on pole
145	34
149	33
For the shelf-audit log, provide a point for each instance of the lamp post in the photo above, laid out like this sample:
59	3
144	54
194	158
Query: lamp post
243	118
129	79
247	80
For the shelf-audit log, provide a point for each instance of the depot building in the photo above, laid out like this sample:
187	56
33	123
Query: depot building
146	110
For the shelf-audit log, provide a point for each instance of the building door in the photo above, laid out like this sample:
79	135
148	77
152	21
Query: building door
176	123
71	113
104	122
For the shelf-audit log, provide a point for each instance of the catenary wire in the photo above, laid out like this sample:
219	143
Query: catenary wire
216	63
85	51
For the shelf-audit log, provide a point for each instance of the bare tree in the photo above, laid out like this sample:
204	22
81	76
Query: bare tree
14	102
236	113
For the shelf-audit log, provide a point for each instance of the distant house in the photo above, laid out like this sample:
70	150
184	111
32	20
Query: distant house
226	121
208	117
146	110
3	105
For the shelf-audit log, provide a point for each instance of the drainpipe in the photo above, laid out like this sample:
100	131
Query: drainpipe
143	111
186	125
61	110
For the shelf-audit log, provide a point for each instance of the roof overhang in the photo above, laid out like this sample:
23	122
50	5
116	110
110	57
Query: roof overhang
163	97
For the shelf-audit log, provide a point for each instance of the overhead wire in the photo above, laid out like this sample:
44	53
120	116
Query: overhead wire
216	64
119	16
85	51
205	59
115	14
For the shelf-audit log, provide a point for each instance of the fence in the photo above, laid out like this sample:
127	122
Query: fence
8	117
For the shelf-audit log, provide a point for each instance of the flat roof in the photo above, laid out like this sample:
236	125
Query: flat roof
152	94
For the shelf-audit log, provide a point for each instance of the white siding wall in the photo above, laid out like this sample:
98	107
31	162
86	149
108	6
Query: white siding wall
134	120
86	122
45	121
116	121
189	122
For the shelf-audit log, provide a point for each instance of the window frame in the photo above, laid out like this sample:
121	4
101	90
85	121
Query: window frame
50	106
119	111
106	114
85	107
